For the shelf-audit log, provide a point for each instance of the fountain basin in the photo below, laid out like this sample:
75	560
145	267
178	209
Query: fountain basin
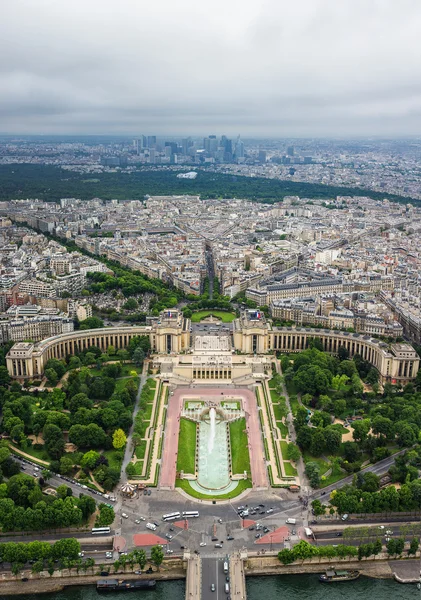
213	454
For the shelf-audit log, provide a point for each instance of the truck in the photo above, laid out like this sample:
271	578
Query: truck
290	521
308	532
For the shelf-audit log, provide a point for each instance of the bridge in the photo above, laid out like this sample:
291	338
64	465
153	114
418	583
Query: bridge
208	577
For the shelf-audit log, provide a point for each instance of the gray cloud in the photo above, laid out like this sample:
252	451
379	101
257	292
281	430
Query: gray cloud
271	67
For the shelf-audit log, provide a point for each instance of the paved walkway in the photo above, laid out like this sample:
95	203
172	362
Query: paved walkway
29	456
172	429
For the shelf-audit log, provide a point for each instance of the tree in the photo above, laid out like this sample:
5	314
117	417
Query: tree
399	545
317	442
54	441
52	376
313	473
391	547
130	470
66	548
4	376
293	453
90	460
66	465
106	515
343	353
119	439
286	556
91	323
361	429
333	439
157	555
414	545
138	356
318	508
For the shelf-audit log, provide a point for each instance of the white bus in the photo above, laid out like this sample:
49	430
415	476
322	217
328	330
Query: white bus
190	514
100	530
171	516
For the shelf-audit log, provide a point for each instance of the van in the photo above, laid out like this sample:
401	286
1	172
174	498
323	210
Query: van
291	521
124	516
151	526
227	588
344	517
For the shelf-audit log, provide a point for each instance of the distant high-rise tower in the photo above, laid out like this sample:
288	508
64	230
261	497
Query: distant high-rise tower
239	148
290	151
151	141
262	156
185	145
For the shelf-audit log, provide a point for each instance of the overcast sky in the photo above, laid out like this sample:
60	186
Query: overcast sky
255	67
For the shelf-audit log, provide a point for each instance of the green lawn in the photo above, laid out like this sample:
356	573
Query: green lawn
284	447
293	401
279	410
187	446
139	467
342	430
120	384
290	471
239	452
148	412
140	449
41	454
114	457
225	317
283	428
323	465
335	476
184	484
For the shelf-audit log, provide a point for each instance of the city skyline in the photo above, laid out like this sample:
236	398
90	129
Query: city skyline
313	69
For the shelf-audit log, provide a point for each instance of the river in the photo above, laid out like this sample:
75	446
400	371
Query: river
291	587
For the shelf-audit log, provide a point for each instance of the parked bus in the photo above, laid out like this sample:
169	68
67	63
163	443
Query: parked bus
171	516
100	530
190	514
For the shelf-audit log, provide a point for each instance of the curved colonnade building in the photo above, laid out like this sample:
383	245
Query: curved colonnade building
186	360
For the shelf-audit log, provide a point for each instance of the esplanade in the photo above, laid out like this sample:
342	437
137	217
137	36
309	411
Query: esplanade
253	336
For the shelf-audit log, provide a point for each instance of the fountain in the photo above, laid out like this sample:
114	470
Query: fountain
211	441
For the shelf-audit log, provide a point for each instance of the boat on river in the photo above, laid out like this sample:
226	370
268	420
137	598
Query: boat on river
332	576
125	585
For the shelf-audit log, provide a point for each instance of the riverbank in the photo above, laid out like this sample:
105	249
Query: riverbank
403	570
55	584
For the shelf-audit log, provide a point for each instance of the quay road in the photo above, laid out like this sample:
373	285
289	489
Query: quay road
378	468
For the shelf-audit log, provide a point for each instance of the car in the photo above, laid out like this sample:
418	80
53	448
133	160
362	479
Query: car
381	527
169	536
266	529
171	528
269	510
202	544
155	523
214	539
182	547
323	494
124	553
227	578
218	545
262	505
389	532
251	528
262	512
241	508
145	492
313	522
24	579
220	521
258	536
137	521
124	516
339	534
81	554
213	588
149	492
170	551
293	532
230	537
138	572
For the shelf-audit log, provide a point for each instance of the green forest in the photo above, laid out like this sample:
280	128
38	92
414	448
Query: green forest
51	183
